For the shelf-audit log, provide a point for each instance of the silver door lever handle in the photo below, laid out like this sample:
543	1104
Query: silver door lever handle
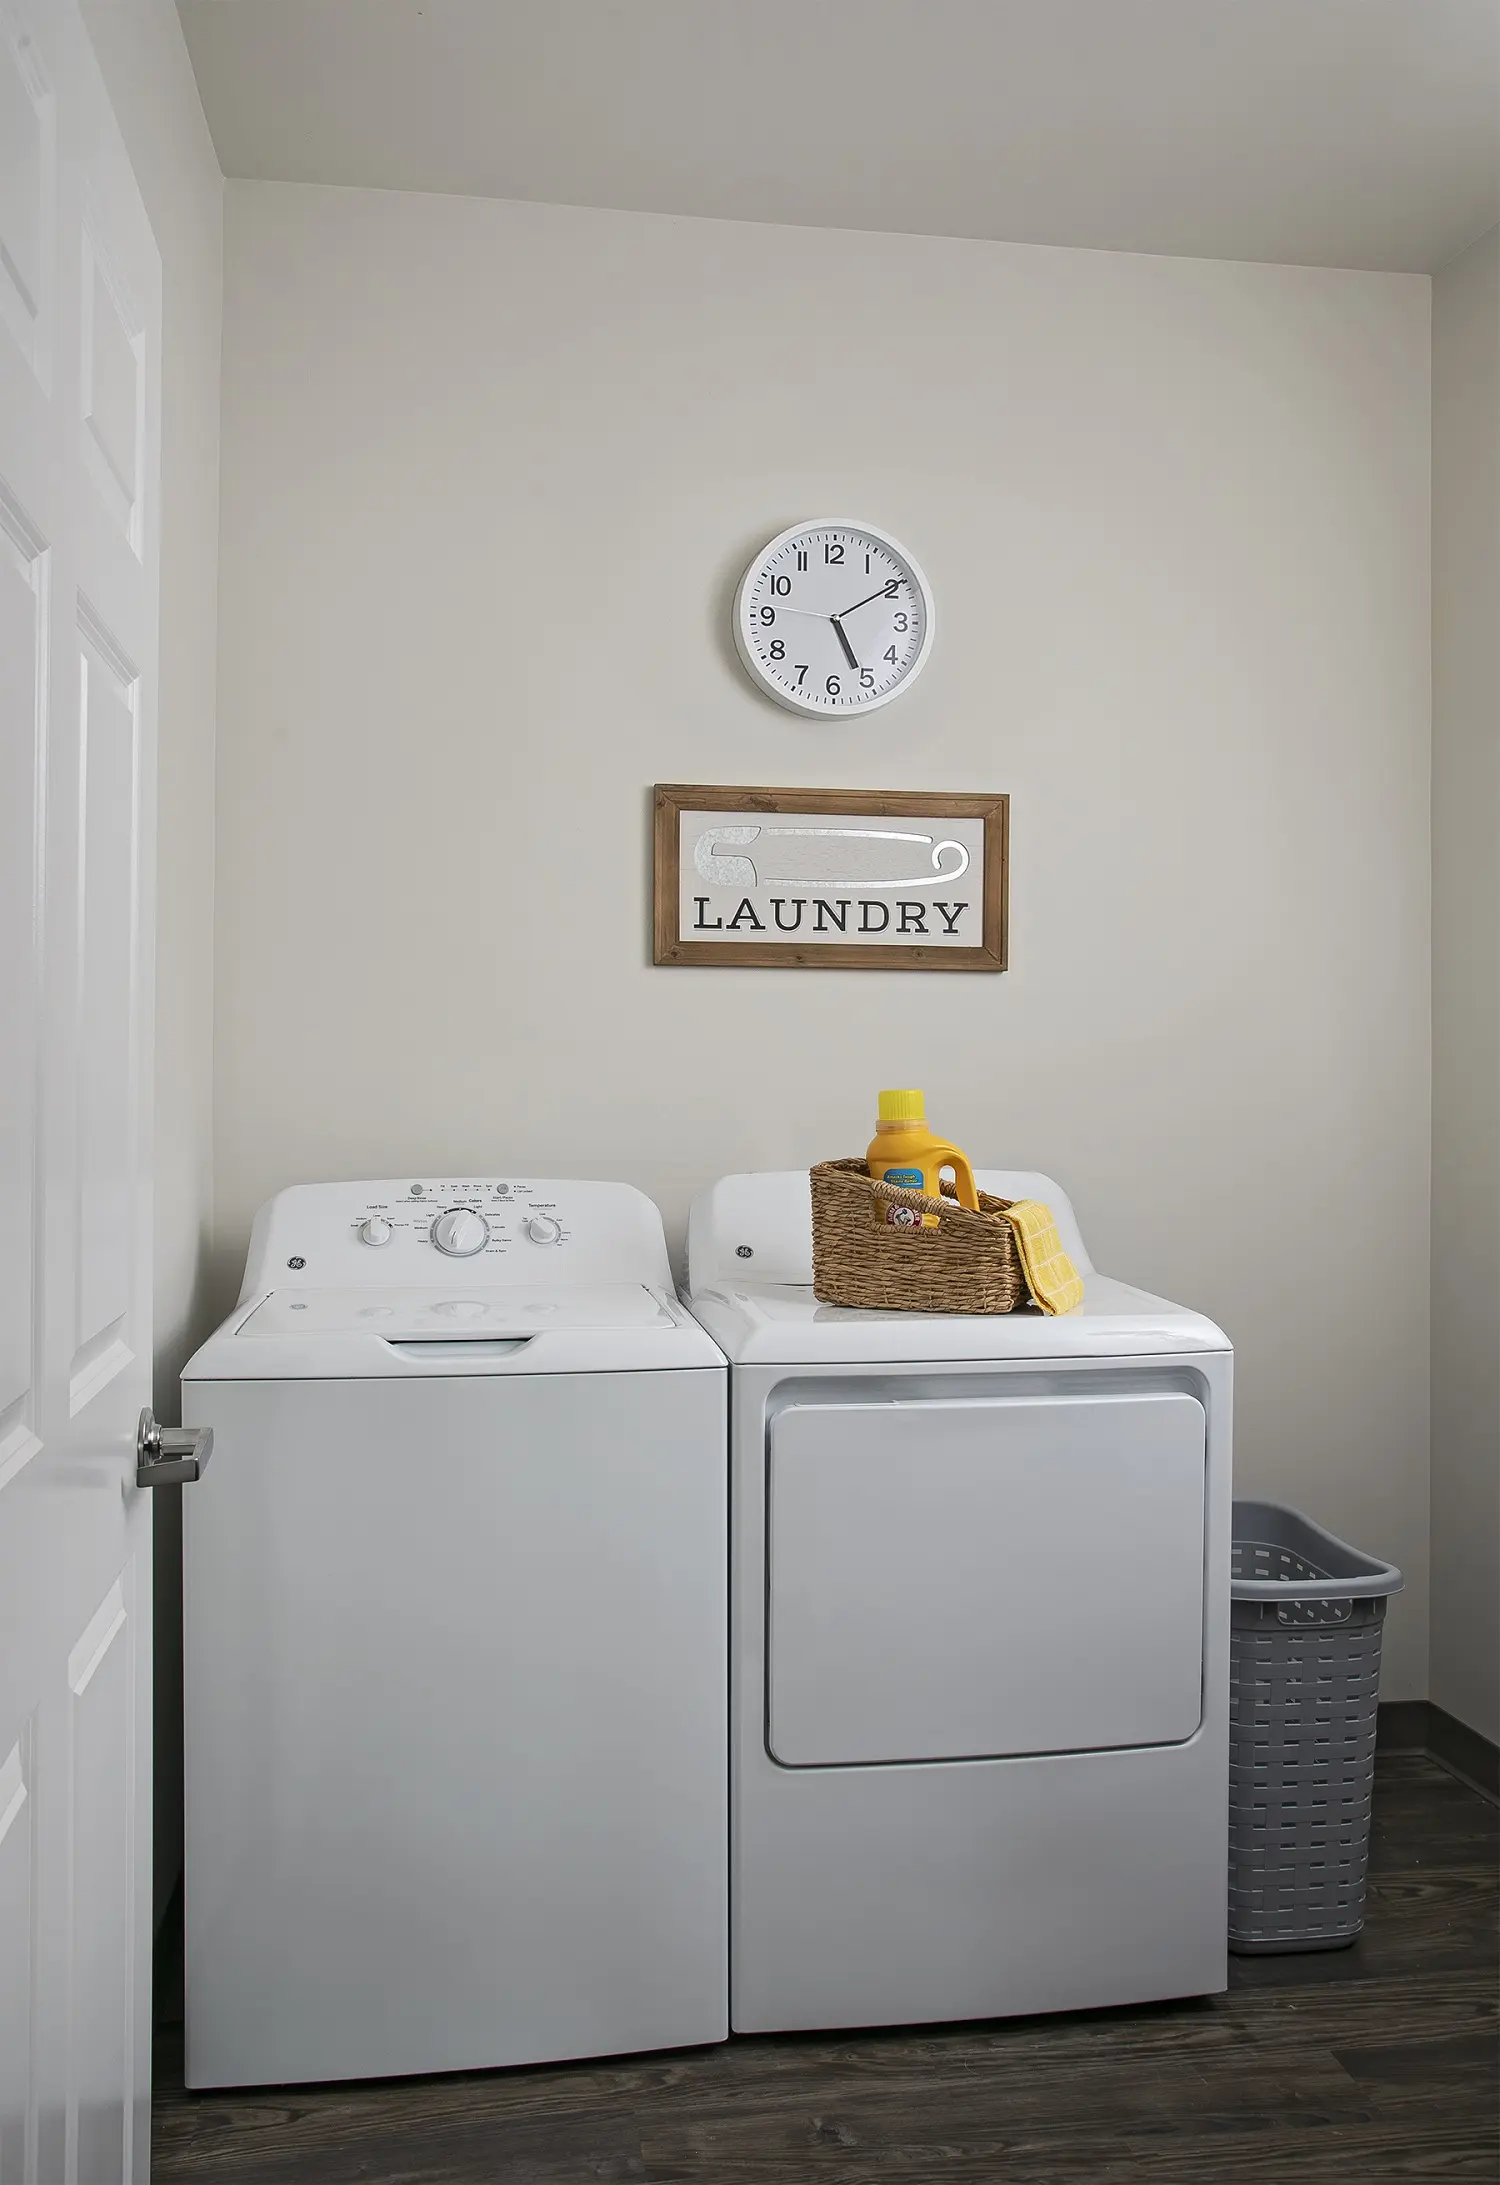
170	1456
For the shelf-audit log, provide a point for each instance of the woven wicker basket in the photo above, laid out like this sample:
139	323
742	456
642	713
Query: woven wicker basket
968	1263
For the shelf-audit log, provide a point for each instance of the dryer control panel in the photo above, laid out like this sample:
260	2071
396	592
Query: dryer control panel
412	1232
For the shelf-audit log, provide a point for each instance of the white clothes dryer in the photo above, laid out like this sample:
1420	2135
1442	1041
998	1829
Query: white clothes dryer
979	1638
455	1641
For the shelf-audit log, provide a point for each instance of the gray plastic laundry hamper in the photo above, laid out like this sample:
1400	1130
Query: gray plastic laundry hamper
1304	1678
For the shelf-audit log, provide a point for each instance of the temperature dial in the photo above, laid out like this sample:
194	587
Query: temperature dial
542	1229
377	1230
460	1232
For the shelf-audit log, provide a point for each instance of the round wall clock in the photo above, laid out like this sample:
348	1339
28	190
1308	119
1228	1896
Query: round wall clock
833	618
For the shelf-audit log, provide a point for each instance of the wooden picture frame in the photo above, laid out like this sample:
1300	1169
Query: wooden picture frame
964	930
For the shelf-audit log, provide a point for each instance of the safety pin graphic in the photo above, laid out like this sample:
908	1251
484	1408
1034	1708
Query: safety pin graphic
739	871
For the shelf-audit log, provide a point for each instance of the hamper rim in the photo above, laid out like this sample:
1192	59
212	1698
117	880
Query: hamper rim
1371	1578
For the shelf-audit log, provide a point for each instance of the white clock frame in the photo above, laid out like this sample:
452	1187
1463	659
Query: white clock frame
810	707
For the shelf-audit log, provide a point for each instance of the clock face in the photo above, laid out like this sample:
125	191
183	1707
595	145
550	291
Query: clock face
833	618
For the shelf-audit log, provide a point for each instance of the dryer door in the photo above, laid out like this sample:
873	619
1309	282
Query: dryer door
972	1579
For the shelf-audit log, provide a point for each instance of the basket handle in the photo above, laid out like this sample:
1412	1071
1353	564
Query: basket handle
1314	1612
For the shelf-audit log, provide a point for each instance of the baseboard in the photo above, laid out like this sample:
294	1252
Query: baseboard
1401	1726
1417	1726
1463	1751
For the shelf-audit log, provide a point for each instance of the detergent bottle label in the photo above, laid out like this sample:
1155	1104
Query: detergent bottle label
905	1153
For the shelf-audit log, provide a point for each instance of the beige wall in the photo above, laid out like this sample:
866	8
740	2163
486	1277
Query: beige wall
490	474
151	86
1466	988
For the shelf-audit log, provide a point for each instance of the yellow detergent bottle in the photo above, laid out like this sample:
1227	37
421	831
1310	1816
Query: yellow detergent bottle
903	1151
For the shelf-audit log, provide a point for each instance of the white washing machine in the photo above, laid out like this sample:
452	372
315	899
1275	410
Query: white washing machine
979	1638
455	1641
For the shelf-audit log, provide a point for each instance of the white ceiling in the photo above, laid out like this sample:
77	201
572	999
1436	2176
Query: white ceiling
1321	132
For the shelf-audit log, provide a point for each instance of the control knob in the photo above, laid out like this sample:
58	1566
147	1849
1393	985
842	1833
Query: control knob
377	1230
542	1229
460	1232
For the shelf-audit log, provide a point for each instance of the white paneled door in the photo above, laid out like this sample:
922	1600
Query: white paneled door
80	312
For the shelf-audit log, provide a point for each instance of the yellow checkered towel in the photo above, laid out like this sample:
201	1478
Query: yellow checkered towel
1051	1277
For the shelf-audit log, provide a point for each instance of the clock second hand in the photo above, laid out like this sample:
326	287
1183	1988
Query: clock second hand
811	614
816	614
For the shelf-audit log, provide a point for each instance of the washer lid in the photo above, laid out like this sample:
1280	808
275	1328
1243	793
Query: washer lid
784	1324
454	1313
307	1333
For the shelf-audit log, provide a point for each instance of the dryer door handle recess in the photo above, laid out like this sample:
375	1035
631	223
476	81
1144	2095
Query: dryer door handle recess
170	1456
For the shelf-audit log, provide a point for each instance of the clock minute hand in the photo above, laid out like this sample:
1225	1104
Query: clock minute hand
865	601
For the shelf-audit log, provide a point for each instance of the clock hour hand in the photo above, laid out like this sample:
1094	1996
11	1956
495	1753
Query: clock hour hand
838	631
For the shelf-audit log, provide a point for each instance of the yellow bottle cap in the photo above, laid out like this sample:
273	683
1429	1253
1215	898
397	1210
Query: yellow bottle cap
902	1107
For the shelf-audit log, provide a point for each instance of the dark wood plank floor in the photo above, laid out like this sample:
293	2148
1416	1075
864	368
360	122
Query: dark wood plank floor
1378	2062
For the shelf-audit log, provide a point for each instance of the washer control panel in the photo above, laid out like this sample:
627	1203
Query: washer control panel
406	1232
462	1220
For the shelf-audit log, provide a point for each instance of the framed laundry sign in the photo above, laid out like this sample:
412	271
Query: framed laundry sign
847	879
